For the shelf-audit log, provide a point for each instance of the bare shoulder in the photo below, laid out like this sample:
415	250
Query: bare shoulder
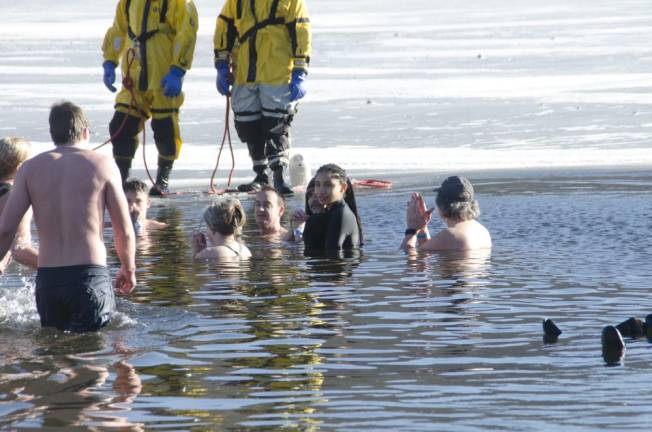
468	235
245	252
445	239
155	225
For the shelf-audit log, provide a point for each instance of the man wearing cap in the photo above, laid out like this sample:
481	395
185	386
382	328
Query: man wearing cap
458	209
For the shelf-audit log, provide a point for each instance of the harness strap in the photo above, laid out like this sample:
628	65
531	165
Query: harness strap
143	37
270	20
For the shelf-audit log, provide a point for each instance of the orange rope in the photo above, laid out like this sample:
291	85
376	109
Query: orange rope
127	83
226	136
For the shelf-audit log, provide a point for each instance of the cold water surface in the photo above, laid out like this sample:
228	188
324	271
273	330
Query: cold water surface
377	341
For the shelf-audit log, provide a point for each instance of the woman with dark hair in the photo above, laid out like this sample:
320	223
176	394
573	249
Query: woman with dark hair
338	226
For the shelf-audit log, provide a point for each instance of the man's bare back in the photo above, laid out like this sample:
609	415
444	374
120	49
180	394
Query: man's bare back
69	189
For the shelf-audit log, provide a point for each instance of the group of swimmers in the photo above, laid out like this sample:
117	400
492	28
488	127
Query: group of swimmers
69	189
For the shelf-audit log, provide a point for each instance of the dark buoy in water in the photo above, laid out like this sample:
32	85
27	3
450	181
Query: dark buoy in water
550	331
613	346
648	327
632	327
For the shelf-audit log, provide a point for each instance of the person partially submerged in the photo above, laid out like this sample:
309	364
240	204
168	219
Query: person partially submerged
224	220
137	194
69	189
13	152
338	226
458	209
269	207
299	217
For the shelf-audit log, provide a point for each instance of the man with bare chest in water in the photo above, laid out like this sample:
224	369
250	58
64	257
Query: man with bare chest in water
69	189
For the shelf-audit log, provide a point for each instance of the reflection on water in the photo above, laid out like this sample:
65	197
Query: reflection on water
377	340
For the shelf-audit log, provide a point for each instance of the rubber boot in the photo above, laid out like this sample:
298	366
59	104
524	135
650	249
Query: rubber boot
124	165
160	188
258	182
279	181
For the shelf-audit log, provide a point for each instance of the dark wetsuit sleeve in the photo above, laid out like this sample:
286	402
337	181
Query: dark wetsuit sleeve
314	234
342	229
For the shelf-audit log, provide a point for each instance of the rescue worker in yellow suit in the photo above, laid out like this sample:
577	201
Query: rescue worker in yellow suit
155	41
267	43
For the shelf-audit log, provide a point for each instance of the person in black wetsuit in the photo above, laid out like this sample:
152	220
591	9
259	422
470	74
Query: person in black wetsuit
338	227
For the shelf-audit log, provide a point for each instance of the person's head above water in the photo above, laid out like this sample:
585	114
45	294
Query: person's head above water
312	204
13	152
333	185
138	201
68	124
269	207
225	216
456	199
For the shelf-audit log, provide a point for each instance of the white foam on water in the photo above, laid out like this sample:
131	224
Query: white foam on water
18	305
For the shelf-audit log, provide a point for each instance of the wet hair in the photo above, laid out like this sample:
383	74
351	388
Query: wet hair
456	199
461	211
279	197
349	196
13	152
310	191
135	185
67	123
225	216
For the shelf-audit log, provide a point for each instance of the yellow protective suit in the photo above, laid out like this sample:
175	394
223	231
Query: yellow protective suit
266	41
163	34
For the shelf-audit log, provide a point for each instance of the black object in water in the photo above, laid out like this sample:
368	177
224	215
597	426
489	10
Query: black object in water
632	327
550	331
613	346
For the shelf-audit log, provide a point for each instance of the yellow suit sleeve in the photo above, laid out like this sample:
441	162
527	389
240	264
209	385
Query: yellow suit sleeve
225	32
115	38
299	27
186	23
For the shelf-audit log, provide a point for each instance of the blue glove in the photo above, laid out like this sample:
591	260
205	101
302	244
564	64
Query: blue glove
109	75
298	84
171	82
222	82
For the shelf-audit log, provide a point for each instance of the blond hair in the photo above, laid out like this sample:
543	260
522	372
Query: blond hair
225	216
13	152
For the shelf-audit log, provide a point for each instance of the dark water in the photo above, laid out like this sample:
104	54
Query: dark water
379	341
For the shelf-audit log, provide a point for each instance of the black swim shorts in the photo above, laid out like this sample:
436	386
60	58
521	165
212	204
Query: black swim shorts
75	298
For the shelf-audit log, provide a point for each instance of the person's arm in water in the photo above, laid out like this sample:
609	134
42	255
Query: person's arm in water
23	251
123	232
16	207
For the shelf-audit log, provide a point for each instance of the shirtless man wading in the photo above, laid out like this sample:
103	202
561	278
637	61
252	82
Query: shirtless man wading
69	189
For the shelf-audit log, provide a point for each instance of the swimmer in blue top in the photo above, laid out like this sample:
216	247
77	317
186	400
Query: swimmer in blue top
338	226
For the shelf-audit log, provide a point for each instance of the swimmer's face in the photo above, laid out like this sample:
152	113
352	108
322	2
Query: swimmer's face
313	202
329	189
268	208
138	203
